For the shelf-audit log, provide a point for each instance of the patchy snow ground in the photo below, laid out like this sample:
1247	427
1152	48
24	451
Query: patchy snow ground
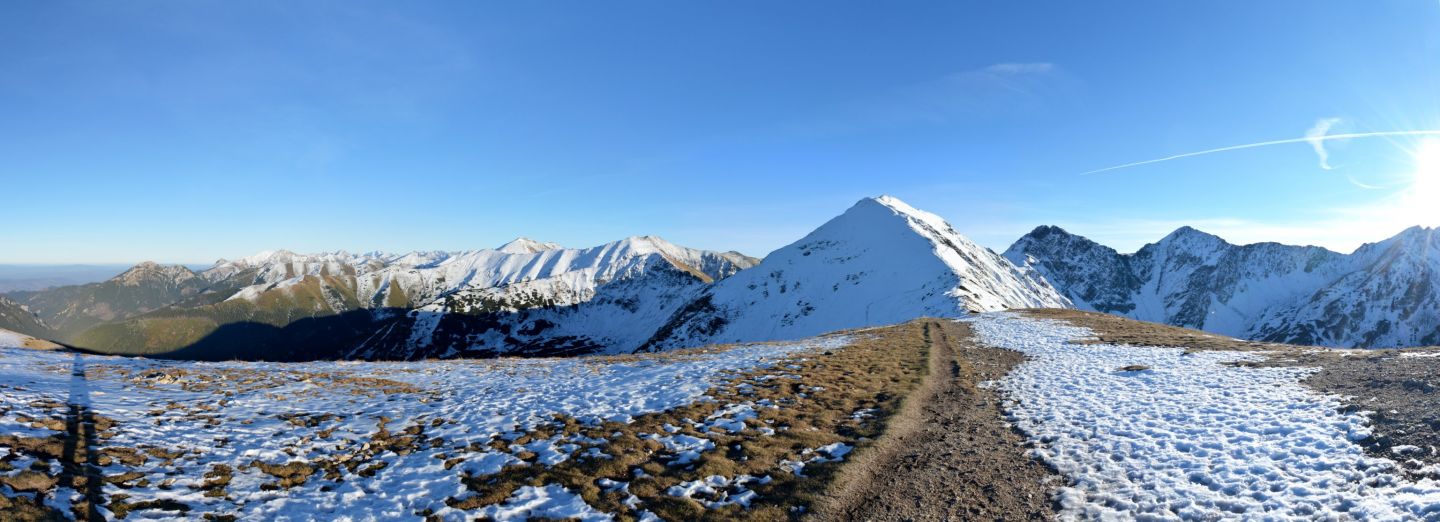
9	338
1191	438
551	502
238	413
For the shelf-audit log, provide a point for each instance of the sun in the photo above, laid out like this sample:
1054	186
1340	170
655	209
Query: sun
1422	197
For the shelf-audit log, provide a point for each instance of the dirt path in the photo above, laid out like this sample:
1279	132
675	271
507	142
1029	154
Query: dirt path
948	454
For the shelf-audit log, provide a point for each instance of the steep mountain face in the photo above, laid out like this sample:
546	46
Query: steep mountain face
1390	298
1093	276
518	276
1383	295
415	305
16	317
619	316
606	299
881	262
146	287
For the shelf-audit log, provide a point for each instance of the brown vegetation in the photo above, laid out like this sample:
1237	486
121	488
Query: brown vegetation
818	396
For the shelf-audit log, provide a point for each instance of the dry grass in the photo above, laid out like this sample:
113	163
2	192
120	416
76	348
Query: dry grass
815	409
816	394
1118	330
34	343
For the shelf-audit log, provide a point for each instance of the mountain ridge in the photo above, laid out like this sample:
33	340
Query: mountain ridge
895	263
880	262
18	318
1263	291
349	293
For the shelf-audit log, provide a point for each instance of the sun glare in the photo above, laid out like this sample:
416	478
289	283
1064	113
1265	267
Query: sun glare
1422	198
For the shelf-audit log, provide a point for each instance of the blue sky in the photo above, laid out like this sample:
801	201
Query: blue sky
189	131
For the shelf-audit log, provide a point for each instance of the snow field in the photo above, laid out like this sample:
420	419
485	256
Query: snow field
1191	438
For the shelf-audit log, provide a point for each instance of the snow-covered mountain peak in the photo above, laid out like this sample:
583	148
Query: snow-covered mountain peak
1093	276
1414	238
1187	237
1043	231
901	208
880	262
987	280
1049	237
1386	294
264	256
525	245
645	244
521	275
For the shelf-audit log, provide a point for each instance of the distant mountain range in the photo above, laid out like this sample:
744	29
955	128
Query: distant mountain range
880	262
19	278
1385	294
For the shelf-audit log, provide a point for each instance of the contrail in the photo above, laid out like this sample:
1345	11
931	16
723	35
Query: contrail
1311	139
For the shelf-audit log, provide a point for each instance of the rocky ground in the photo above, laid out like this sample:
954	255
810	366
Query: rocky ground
1398	390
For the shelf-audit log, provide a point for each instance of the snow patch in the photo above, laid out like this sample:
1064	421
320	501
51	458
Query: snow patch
1192	438
552	502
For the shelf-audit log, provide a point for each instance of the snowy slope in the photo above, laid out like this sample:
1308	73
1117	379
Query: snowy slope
1094	276
616	318
1382	295
10	339
1391	297
521	274
525	245
881	262
522	298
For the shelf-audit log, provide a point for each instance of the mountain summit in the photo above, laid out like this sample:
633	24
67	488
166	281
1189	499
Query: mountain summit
525	245
881	262
146	287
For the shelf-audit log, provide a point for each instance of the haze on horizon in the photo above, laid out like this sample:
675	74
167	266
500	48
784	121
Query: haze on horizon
187	132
